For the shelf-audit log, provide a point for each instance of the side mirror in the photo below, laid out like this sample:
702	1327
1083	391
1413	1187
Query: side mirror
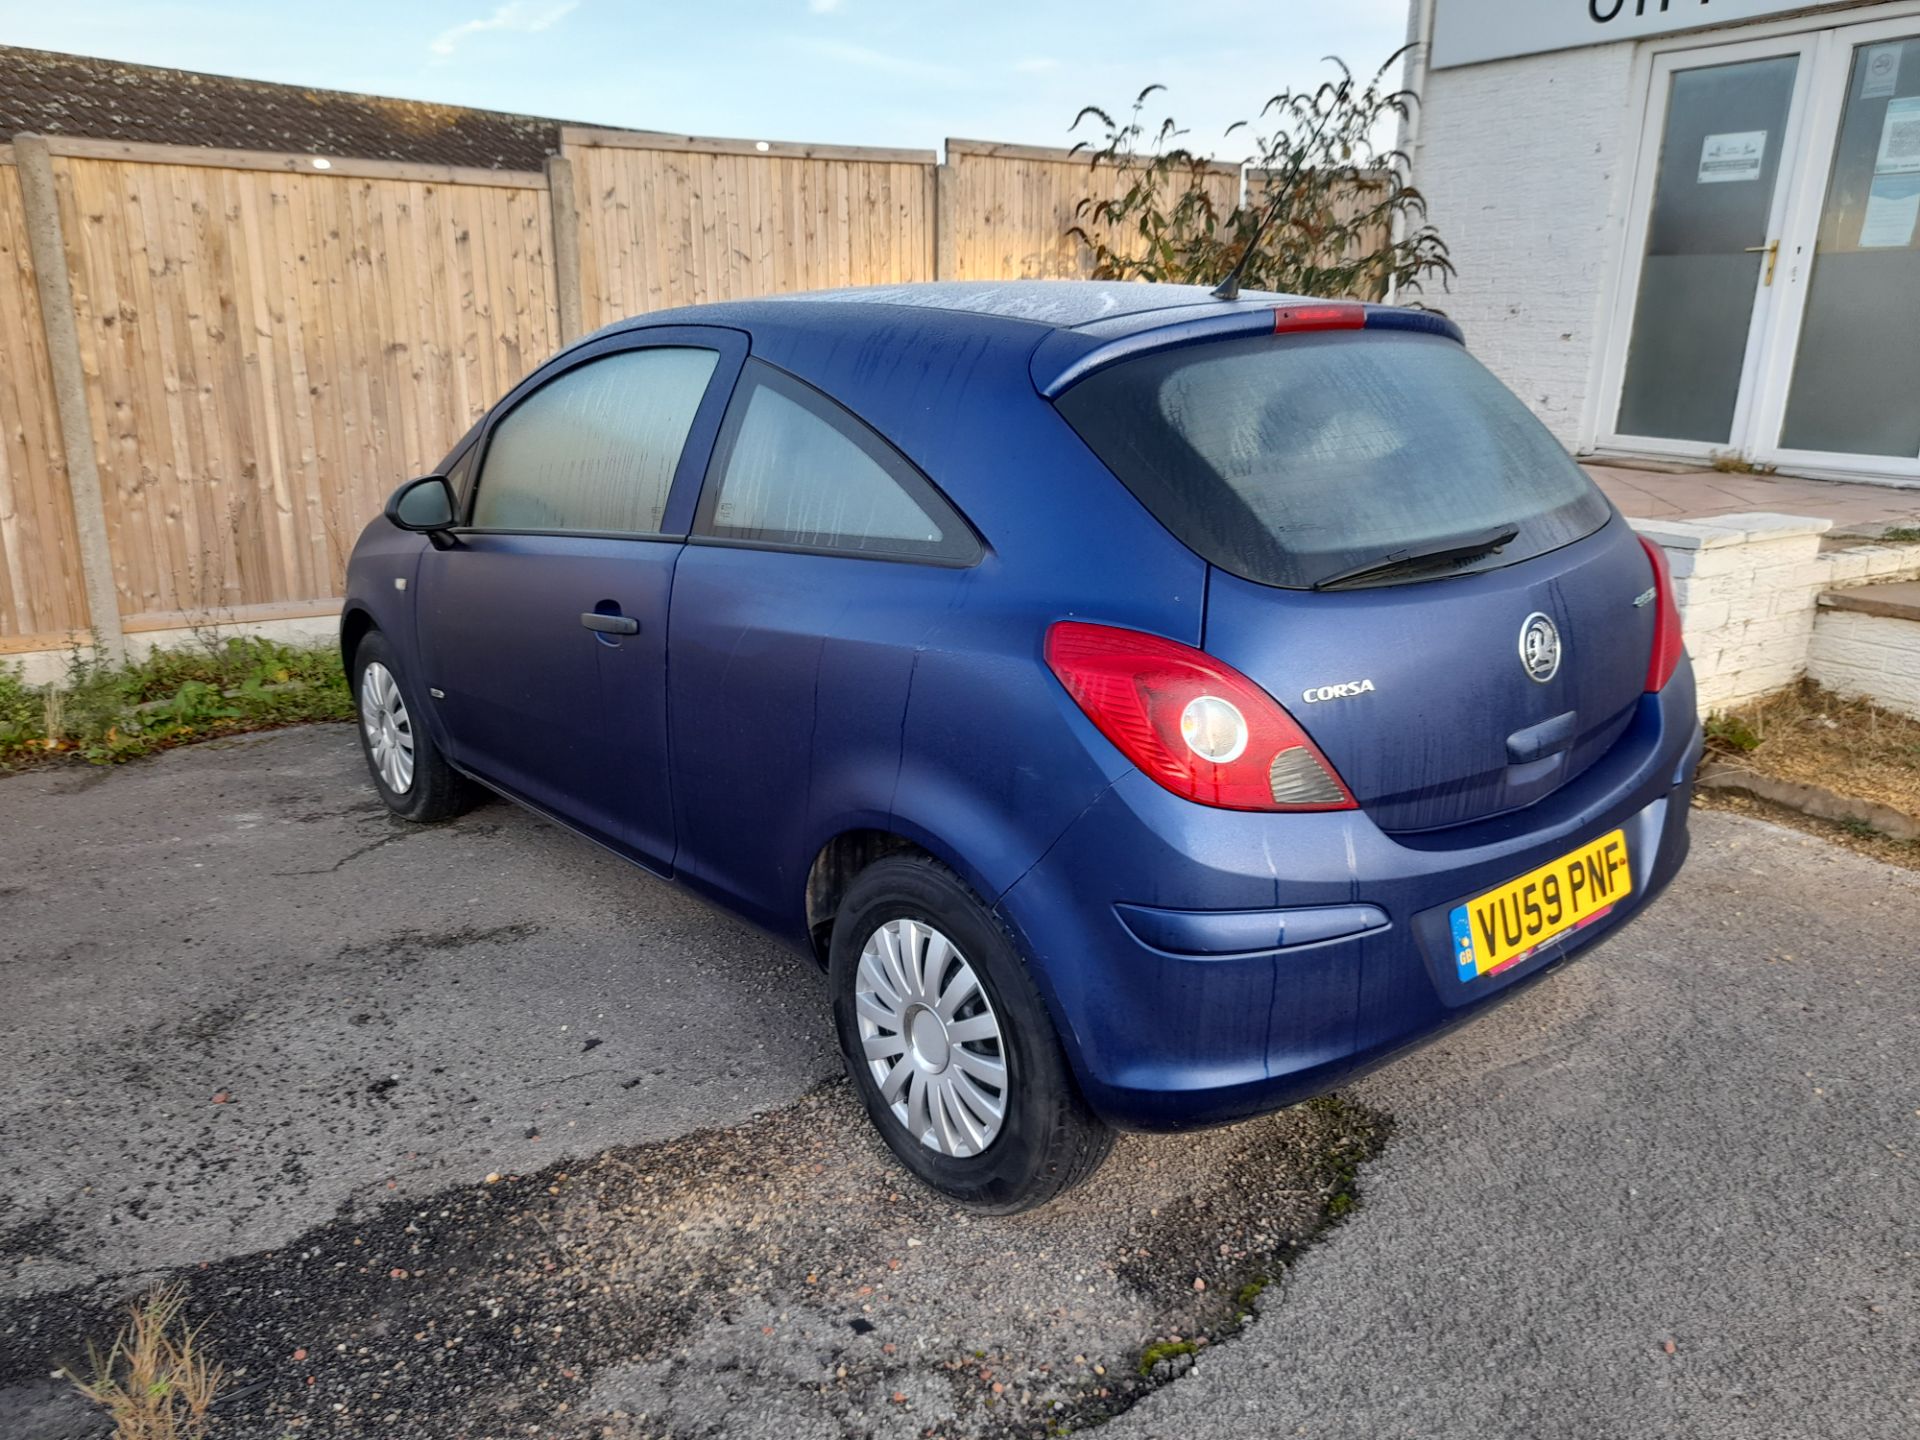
425	505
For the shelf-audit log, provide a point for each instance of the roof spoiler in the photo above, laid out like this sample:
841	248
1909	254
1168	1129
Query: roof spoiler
1067	357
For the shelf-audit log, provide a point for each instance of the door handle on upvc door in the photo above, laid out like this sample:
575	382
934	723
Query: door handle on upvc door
1771	251
610	624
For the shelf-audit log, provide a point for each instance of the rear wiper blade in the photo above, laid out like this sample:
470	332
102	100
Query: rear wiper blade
1464	547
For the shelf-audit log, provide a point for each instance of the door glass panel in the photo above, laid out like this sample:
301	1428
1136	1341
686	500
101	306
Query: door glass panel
1712	199
1856	377
595	448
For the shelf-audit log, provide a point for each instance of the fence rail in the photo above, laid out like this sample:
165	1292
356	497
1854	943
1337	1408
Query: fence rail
257	347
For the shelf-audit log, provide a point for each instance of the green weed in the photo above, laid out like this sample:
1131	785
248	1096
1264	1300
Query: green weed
1730	732
103	712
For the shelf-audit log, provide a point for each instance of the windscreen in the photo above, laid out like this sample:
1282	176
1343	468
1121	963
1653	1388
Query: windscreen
1291	460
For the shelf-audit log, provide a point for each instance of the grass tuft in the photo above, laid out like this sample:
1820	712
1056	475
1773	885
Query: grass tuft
1165	1350
155	1382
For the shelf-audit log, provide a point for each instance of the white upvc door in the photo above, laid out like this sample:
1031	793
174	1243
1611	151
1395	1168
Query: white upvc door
1700	298
1838	385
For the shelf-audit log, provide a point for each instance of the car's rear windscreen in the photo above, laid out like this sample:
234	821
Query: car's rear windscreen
1291	459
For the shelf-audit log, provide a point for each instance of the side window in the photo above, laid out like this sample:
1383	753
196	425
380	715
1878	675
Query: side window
794	468
595	448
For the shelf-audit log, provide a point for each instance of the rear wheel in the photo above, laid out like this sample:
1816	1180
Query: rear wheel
409	771
950	1045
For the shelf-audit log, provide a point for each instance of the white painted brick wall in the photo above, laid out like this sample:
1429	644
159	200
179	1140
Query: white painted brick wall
1877	656
1518	160
1749	587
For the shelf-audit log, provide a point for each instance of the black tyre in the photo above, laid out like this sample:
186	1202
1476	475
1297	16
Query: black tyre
950	1045
413	777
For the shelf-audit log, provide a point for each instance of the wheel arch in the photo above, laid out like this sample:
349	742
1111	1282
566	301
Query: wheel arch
356	622
852	848
834	867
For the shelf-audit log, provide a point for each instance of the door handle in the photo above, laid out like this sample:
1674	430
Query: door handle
1771	251
610	624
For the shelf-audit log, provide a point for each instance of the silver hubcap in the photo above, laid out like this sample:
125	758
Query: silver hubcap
931	1038
388	728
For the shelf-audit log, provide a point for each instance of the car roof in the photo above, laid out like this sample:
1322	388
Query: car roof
1052	304
1067	327
1058	304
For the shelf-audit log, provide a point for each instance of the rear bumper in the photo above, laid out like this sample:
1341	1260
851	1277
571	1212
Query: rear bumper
1207	965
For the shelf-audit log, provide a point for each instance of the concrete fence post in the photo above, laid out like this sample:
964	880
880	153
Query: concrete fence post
944	261
566	248
47	248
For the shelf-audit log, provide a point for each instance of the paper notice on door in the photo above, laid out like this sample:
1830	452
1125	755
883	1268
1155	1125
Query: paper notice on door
1880	71
1893	205
1735	156
1900	138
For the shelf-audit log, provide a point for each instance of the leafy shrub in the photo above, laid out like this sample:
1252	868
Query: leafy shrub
21	708
1326	211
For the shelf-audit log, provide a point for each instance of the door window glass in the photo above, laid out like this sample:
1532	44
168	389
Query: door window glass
795	468
595	449
1712	200
1854	387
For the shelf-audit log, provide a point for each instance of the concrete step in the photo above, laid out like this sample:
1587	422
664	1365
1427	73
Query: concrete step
1866	642
1897	601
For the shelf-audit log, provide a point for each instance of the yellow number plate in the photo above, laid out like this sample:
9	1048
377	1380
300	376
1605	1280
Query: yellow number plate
1504	926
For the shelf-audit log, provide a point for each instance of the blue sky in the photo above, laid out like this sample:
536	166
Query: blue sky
832	71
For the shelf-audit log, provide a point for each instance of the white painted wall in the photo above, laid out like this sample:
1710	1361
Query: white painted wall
1519	161
1877	656
1749	589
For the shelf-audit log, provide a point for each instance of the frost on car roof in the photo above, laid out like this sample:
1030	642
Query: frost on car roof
1059	303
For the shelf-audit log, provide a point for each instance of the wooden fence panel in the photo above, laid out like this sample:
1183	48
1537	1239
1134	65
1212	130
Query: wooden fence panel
42	593
1005	209
270	351
270	343
667	221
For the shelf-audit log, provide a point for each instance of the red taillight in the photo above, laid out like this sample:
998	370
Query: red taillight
1338	315
1198	727
1667	644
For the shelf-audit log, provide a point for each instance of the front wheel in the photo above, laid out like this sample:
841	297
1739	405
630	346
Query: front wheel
950	1045
409	771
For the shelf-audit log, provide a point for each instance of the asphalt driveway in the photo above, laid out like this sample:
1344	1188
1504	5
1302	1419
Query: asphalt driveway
256	1034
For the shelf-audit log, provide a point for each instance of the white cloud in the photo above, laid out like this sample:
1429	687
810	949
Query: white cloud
823	7
867	58
525	16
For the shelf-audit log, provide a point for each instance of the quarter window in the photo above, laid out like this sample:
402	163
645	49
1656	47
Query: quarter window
595	449
795	468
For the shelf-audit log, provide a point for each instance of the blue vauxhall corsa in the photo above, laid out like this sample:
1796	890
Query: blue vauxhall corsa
1150	709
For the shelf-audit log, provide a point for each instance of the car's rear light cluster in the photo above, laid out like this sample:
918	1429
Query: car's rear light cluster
1667	642
1198	727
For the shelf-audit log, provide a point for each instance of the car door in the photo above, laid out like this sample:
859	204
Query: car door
543	623
820	560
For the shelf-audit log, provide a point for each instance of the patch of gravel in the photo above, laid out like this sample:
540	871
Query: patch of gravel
778	1279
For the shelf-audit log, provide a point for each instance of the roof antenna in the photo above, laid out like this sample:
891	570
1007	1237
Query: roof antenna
1229	288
